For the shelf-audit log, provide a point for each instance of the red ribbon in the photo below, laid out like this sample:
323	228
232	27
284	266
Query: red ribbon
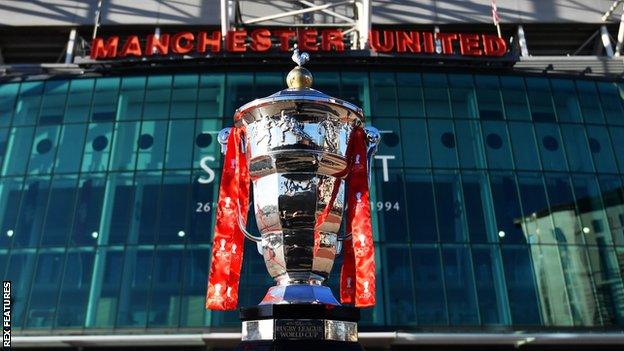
228	241
357	276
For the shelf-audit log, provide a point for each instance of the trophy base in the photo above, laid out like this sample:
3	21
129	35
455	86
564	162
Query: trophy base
300	327
299	294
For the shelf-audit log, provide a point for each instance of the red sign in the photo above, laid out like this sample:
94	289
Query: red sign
327	40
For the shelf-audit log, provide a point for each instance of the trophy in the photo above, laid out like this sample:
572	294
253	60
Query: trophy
308	157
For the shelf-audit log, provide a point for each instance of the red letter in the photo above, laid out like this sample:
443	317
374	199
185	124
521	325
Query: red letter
428	41
176	42
214	41
131	47
99	49
284	37
332	38
493	45
469	45
407	40
236	41
260	40
307	40
447	42
157	45
388	41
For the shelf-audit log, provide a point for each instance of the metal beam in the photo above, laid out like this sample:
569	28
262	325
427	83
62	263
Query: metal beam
524	50
620	36
71	44
329	12
614	6
297	12
364	13
606	41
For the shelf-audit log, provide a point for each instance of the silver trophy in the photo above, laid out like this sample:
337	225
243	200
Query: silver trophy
295	146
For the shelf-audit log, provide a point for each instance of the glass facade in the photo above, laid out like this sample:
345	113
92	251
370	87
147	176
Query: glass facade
497	200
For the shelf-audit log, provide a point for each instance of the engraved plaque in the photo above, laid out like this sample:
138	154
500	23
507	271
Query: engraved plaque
300	329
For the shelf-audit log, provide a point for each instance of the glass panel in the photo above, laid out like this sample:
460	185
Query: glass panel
575	140
355	88
443	143
471	149
16	159
79	100
179	144
20	271
613	200
175	208
520	285
164	301
416	147
157	97
184	96
506	207
515	98
28	103
44	289
540	100
74	292
497	141
611	95
421	209
134	291
203	205
580	286
523	146
489	98
591	210
43	150
551	148
463	98
609	288
566	100
390	145
32	212
144	225
429	286
151	145
329	83
89	200
600	146
123	155
437	102
10	194
60	213
238	91
194	288
536	224
460	285
69	150
210	98
567	228
97	147
8	95
617	140
118	217
384	94
389	204
410	95
131	98
551	285
450	207
105	99
589	101
478	204
206	148
53	102
489	280
267	83
103	299
399	302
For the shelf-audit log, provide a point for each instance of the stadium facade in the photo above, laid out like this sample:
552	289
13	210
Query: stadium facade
497	189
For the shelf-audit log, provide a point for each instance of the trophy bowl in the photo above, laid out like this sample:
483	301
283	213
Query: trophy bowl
296	149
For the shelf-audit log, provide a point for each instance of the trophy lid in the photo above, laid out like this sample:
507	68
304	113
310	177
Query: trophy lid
299	98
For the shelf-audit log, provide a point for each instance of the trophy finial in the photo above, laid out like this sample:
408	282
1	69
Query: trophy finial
299	77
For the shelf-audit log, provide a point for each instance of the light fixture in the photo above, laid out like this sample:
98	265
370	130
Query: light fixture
501	234
95	235
586	230
181	233
10	233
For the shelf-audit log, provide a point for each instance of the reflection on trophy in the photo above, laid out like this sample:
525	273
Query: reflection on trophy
308	158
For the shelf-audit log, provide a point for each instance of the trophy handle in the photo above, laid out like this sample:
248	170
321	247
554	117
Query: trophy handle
241	225
373	137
